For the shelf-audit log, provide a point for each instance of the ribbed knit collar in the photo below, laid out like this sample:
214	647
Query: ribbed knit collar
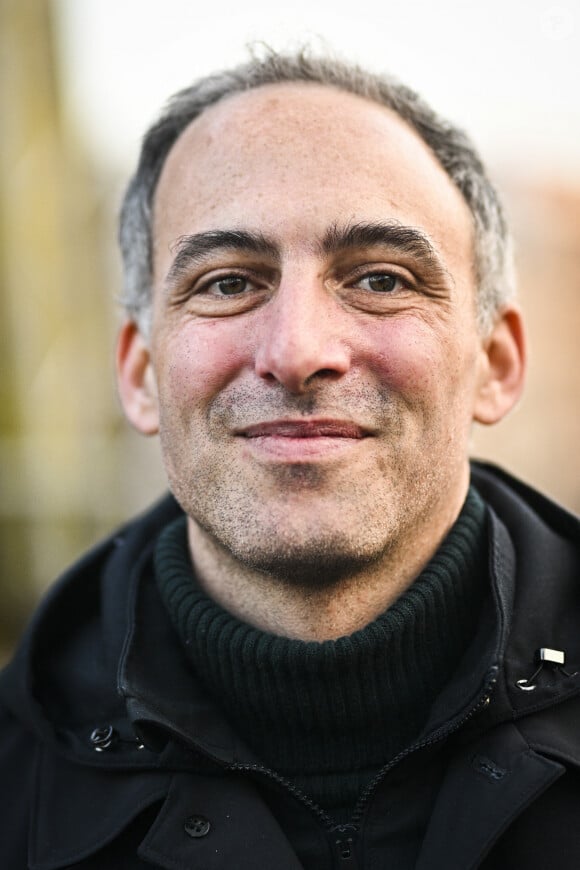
329	715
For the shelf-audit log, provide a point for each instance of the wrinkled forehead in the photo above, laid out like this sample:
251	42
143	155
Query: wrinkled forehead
293	158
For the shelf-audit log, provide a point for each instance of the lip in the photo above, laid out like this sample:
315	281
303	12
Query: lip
312	428
296	441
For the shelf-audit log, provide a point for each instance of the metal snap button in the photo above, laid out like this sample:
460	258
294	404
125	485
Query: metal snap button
197	826
103	737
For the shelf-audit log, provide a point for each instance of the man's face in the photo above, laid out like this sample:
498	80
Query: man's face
314	341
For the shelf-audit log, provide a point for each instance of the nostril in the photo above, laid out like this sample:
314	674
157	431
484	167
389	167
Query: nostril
295	367
323	374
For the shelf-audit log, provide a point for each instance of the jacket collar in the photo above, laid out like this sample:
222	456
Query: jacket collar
524	738
544	583
486	787
77	810
164	701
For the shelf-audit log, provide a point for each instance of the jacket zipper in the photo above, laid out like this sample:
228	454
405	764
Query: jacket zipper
322	816
343	837
344	851
437	737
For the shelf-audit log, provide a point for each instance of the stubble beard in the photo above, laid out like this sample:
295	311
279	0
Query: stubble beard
310	554
282	551
248	534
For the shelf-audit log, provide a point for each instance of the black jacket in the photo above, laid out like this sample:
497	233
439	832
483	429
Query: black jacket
111	755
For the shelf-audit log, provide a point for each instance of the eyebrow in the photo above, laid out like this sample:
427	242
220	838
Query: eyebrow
194	249
390	234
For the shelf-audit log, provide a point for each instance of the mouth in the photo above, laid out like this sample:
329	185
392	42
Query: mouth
321	428
302	440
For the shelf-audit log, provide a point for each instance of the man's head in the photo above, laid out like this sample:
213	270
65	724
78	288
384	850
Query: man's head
315	356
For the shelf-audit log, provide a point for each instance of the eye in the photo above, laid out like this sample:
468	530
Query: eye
381	282
230	285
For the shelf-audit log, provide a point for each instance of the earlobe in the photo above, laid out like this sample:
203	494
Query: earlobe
136	380
504	368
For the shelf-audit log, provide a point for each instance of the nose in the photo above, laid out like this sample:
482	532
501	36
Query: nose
301	338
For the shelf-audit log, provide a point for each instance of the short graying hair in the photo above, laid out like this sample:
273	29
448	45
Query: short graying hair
493	261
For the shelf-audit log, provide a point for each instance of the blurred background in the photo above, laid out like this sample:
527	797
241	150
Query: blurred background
79	82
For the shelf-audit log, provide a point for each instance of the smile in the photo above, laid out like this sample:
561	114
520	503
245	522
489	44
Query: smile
302	440
305	429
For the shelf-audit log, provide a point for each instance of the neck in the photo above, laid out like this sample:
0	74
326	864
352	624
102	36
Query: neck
328	609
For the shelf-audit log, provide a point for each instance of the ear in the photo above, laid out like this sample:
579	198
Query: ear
136	380
504	368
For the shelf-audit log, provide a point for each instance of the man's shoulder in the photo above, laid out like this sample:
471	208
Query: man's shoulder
117	554
61	686
540	540
127	542
521	505
82	618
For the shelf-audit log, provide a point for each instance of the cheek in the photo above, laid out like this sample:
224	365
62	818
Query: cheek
423	364
404	355
198	361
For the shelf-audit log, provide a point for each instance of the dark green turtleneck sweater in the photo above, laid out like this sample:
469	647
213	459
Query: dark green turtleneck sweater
328	716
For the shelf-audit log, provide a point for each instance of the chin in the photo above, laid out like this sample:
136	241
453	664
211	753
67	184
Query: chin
312	565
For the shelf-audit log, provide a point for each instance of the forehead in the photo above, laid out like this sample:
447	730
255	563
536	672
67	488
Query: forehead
292	158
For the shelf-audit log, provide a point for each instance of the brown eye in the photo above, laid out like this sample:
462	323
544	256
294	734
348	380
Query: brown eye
231	286
381	282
